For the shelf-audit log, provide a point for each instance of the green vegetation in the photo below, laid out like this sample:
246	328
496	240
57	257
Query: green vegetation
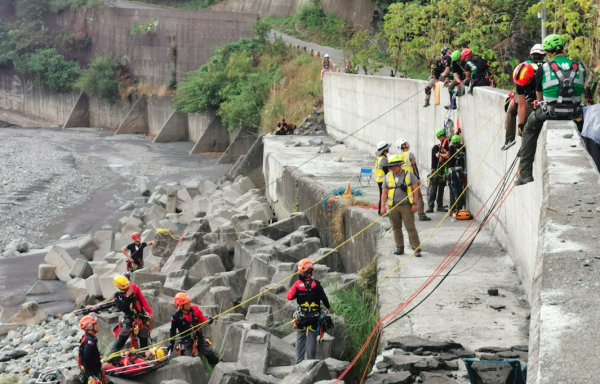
358	311
51	69
62	5
105	78
147	28
12	378
312	23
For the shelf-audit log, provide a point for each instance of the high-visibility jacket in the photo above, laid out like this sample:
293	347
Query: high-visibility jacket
392	188
407	166
568	77
379	173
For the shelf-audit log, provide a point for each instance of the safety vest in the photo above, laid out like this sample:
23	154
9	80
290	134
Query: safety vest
407	166
379	173
560	85
392	188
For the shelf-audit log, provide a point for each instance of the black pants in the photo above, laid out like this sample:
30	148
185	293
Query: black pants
203	349
436	192
126	329
379	203
456	189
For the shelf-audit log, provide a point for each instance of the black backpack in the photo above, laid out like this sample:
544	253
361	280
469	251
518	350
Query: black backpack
483	67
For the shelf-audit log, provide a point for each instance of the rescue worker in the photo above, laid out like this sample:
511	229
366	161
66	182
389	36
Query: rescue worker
325	65
439	72
381	167
439	155
559	87
135	257
410	165
89	360
521	106
458	76
137	313
189	316
399	200
477	70
456	172
309	295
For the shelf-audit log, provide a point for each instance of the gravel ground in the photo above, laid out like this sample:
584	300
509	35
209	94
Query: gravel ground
55	182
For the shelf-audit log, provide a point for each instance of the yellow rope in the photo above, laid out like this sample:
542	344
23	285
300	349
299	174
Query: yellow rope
192	329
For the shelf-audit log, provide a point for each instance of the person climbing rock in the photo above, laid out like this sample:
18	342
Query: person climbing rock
381	167
135	257
440	70
400	202
309	295
89	361
520	107
410	165
439	155
559	86
192	342
137	313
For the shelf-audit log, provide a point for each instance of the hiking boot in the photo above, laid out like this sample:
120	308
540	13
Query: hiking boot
418	253
426	103
448	107
508	145
429	210
424	218
523	180
442	209
399	250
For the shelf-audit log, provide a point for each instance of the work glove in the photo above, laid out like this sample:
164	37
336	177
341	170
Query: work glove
170	348
210	320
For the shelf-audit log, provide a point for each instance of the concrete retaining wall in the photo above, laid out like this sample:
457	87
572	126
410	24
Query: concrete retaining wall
149	57
17	94
392	108
547	226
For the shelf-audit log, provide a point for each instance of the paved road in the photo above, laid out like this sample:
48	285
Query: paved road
136	5
336	55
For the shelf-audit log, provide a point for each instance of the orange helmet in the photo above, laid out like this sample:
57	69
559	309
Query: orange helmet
181	299
523	74
304	265
87	320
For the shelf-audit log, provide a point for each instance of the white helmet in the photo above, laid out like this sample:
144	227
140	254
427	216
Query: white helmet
400	143
326	55
538	48
382	145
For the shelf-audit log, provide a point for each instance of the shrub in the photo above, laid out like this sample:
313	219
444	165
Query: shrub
147	28
52	70
101	79
62	5
12	378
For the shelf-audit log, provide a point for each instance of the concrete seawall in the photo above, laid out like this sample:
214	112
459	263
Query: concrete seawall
546	226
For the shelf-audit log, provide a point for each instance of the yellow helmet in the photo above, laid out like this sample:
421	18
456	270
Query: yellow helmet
157	353
395	160
121	282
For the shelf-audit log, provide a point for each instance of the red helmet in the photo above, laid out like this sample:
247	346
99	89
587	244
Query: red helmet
465	53
87	320
135	235
181	299
523	74
304	265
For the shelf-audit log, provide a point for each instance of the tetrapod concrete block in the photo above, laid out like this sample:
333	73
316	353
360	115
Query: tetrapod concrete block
87	246
39	288
63	262
81	269
47	272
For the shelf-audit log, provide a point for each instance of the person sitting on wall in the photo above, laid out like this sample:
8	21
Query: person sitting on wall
326	66
282	128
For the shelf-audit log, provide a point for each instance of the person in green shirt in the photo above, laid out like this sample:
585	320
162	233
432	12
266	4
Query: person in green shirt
559	86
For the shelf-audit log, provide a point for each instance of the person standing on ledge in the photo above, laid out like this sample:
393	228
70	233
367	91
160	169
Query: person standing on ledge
381	167
135	257
398	199
559	87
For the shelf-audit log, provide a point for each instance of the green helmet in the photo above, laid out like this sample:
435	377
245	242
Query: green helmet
553	42
455	55
440	132
455	139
